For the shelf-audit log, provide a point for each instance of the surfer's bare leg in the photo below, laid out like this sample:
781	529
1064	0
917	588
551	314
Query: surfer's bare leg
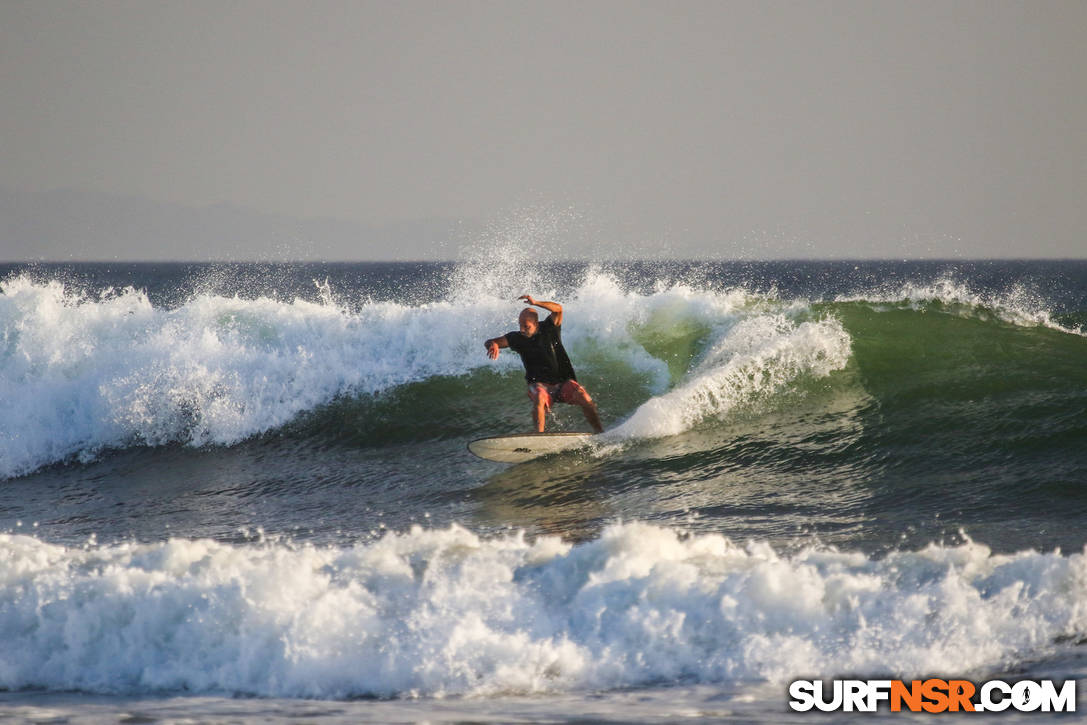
592	416
589	409
574	394
539	415
541	403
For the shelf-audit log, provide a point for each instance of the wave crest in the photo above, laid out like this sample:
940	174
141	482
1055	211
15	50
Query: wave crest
754	359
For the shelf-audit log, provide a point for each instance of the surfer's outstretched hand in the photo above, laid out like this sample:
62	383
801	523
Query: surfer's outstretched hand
528	299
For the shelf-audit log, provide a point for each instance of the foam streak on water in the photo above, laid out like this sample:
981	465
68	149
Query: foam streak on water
442	612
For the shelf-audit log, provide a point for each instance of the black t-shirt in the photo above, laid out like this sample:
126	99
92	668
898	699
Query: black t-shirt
543	356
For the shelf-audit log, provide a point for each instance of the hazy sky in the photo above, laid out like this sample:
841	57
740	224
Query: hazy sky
754	129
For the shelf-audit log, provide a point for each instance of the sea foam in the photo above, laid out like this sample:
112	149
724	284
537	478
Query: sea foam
445	612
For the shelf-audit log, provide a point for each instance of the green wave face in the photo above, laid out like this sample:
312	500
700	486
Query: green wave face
939	355
673	337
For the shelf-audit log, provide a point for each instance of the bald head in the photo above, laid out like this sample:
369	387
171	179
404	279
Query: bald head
528	321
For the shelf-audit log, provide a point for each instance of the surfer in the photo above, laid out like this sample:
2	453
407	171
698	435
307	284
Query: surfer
548	370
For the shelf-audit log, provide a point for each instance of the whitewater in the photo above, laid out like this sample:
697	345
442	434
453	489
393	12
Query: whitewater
434	613
229	489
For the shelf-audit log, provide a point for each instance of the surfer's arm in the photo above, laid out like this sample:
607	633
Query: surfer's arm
494	345
553	307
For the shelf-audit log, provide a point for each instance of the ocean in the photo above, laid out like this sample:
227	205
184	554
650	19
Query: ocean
241	492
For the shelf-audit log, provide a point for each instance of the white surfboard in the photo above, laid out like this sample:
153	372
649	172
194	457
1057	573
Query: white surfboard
521	447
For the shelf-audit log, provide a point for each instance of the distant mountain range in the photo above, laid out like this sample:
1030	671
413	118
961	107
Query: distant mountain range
67	225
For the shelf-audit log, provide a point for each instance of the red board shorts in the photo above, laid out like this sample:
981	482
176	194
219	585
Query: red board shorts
569	392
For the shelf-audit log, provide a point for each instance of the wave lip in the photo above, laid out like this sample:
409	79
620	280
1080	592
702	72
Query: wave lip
444	612
1017	306
755	358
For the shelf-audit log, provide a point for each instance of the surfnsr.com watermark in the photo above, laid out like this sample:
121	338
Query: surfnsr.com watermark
933	695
